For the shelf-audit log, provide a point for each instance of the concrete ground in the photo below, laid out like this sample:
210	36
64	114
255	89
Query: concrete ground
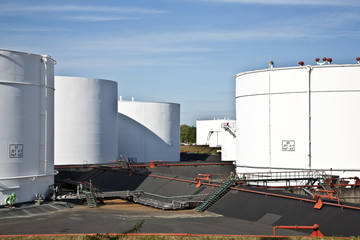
117	216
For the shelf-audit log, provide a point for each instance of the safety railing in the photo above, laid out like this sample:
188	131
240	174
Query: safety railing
278	176
164	202
230	127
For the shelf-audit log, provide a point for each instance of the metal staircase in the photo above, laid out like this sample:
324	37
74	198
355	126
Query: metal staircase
89	191
125	162
230	128
215	195
330	191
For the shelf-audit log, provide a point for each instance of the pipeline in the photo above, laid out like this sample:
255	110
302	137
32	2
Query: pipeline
316	232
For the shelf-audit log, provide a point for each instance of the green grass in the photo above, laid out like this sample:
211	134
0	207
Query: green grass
199	149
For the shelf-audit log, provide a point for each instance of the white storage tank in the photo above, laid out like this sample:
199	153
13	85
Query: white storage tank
149	131
26	125
85	121
299	118
208	132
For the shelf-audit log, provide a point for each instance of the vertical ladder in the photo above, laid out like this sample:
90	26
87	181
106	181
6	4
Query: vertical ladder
215	195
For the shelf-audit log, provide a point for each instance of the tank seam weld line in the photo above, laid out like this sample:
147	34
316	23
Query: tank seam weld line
27	84
30	176
277	93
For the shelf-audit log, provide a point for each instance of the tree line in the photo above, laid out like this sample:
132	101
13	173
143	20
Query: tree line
187	134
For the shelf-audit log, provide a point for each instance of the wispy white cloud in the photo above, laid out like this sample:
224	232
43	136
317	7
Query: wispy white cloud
115	61
192	41
11	8
180	44
31	29
335	19
346	3
98	18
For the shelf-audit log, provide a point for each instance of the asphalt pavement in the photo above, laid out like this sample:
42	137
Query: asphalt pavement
117	216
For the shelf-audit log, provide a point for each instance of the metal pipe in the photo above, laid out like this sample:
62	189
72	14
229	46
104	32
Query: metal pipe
315	227
269	120
44	60
309	69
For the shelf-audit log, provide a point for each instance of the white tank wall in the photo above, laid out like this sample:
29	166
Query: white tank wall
149	131
85	121
228	141
272	109
26	125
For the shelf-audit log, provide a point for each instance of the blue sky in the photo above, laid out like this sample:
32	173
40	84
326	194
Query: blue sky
181	51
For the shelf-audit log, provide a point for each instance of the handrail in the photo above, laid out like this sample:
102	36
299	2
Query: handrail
173	198
284	175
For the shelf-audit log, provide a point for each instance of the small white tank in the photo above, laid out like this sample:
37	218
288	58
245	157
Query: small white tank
26	125
85	121
149	131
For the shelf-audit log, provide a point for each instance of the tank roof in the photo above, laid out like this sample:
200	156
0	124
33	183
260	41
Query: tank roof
297	67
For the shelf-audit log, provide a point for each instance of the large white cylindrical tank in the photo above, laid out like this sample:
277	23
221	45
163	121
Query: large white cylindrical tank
85	121
149	131
299	118
26	125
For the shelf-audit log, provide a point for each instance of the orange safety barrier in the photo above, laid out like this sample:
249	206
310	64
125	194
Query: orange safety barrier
316	232
329	194
153	163
319	204
200	177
